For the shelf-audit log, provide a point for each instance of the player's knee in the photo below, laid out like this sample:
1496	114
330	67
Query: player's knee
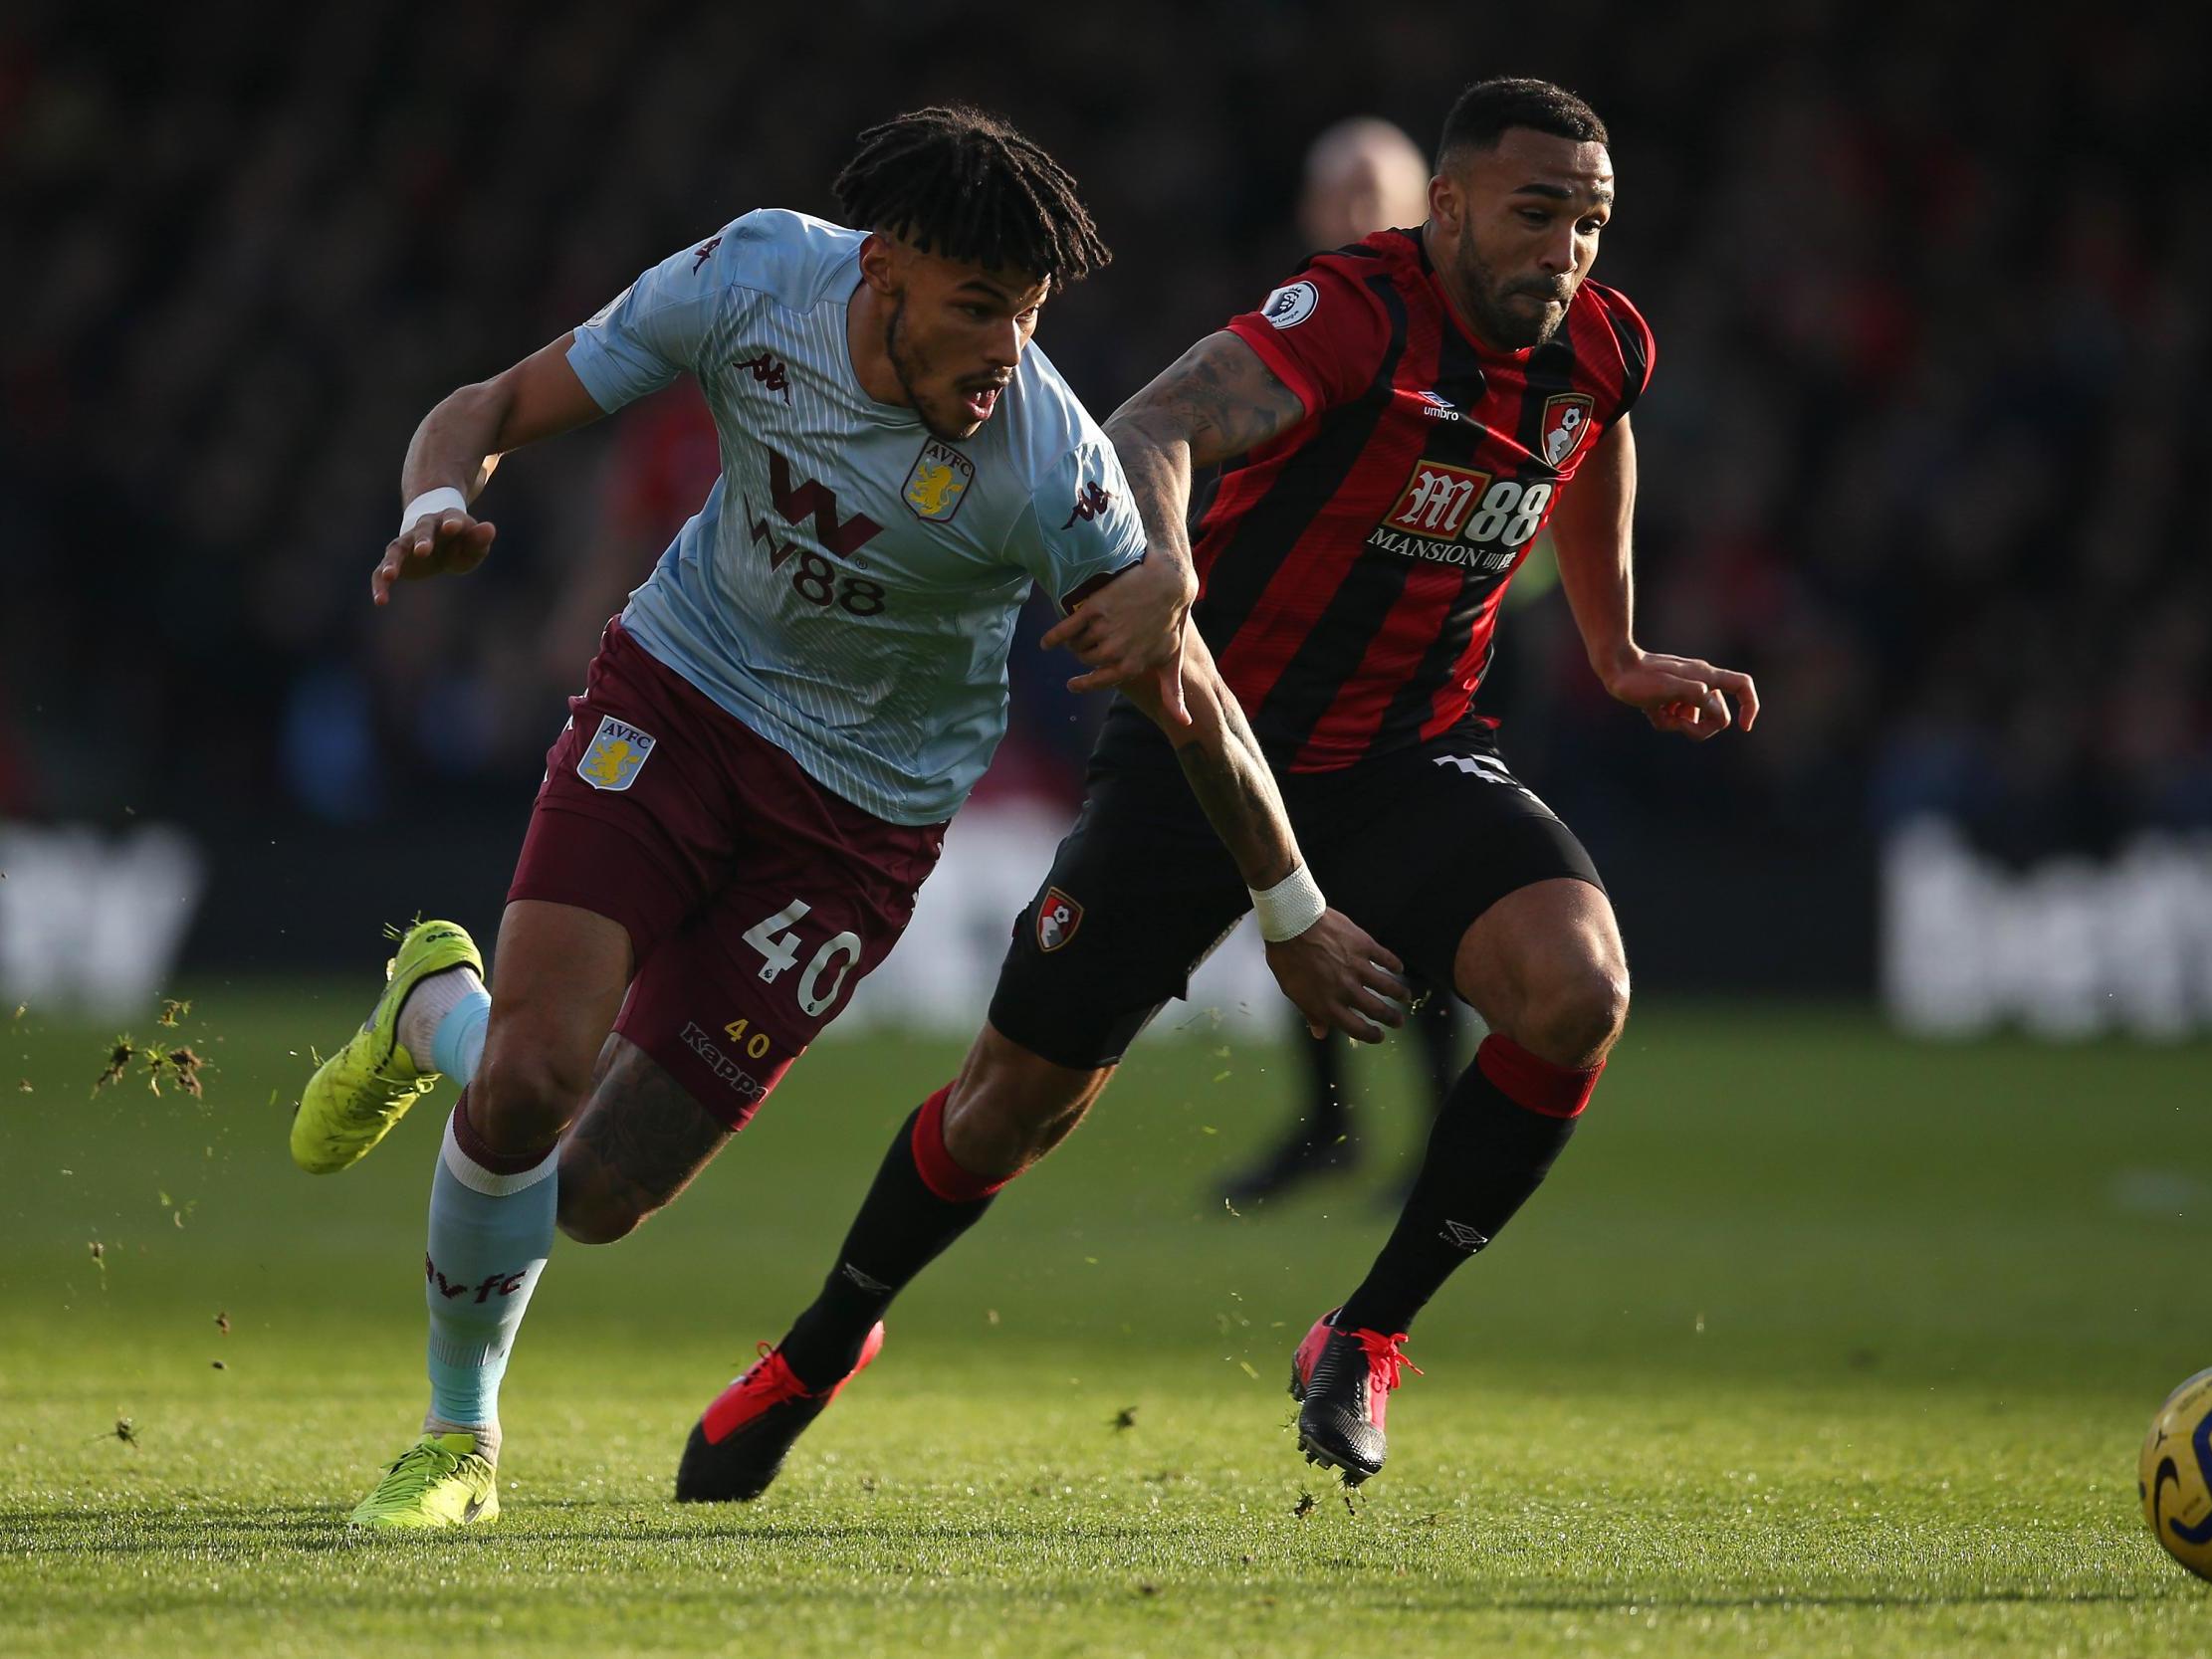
520	1103
1575	1016
995	1130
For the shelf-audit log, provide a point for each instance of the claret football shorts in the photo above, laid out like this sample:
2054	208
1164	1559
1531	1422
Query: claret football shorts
755	898
1413	847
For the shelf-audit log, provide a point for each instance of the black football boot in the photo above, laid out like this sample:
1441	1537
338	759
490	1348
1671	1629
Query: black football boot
739	1442
1342	1380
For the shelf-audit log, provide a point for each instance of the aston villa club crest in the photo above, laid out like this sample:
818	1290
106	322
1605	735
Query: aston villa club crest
938	481
615	756
1566	423
1058	917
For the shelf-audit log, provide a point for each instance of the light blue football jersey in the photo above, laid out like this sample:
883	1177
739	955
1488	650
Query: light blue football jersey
849	588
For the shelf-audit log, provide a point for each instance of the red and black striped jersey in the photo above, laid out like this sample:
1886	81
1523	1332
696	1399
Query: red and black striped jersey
1350	571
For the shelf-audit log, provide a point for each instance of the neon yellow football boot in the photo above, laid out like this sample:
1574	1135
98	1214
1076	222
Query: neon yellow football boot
360	1092
439	1481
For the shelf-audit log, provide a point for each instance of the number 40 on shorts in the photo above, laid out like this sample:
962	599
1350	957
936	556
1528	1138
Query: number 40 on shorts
777	941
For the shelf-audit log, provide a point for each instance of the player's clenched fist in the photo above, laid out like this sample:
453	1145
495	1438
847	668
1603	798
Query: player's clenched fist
448	544
1684	694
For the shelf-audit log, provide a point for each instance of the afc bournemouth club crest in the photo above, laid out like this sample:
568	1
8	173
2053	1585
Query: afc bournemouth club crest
1057	919
1566	423
938	481
615	756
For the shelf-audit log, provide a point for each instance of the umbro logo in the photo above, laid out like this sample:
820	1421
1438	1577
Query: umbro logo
864	1281
1437	408
1460	1236
770	374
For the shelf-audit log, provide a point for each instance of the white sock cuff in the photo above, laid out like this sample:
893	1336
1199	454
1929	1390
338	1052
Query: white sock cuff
491	1184
427	1006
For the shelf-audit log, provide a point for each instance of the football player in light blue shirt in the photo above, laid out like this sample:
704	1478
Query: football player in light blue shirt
899	465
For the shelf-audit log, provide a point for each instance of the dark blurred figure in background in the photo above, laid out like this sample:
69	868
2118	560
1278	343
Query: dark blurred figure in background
1363	175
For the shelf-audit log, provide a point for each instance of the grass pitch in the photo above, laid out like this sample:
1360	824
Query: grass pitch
1817	1342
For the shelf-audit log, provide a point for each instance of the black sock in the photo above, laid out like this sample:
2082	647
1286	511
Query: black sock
1508	1117
920	1201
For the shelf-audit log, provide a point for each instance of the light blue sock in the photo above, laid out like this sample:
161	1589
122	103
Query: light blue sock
490	1234
458	1043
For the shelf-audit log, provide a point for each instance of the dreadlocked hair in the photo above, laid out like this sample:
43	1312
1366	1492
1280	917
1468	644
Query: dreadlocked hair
957	181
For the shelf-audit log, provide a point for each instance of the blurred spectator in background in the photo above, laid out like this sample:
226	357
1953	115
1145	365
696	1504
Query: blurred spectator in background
1362	176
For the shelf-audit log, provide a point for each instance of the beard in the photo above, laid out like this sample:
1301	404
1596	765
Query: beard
1509	330
909	368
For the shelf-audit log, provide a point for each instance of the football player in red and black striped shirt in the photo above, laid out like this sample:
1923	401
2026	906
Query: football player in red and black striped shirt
1399	421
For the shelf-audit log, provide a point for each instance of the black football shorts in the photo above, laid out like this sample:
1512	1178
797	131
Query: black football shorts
1413	847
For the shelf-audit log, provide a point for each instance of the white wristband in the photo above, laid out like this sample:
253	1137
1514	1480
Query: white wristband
1289	908
444	499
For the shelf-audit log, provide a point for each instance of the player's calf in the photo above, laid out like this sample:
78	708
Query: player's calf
641	1140
1009	1107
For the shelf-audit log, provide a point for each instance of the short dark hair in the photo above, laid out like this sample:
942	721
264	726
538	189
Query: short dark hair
961	182
1488	107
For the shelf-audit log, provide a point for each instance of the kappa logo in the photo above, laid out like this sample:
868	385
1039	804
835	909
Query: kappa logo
770	374
1057	919
742	1083
1566	422
937	481
615	756
1291	305
1090	500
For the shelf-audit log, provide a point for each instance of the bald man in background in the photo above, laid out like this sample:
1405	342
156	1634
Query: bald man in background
1363	174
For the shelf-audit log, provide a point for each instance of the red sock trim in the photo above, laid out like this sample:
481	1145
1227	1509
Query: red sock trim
474	1149
939	1173
1531	1081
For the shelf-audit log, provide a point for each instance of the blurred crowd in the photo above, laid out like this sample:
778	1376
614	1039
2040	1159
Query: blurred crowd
1932	310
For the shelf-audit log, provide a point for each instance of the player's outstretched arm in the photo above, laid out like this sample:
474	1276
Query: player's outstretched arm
454	452
1591	531
1212	404
1215	401
1325	962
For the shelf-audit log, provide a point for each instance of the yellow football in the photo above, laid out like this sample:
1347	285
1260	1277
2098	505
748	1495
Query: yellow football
2176	1474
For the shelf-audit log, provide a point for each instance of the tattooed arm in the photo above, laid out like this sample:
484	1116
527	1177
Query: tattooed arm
1336	974
1215	401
